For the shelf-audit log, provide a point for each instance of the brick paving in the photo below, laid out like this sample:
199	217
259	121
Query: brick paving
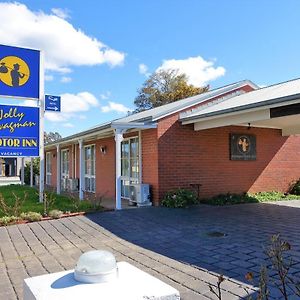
184	235
172	245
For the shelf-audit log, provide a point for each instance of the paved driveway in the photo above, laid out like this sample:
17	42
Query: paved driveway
172	245
187	235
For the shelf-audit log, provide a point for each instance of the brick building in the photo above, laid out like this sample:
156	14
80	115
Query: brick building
238	138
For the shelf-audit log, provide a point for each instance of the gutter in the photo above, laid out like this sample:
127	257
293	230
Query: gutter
243	107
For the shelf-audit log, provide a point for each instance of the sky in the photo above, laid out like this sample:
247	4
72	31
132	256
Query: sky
99	53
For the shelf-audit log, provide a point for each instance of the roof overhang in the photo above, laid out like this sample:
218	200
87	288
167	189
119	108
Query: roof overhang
101	132
281	113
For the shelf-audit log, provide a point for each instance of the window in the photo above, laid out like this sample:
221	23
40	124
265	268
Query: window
89	168
129	164
48	168
65	163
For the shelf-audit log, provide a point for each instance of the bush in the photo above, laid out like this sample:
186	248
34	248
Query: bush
179	198
228	199
296	188
55	214
8	220
36	170
31	216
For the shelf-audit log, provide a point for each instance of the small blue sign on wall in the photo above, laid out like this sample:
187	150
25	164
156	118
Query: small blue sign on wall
52	103
19	72
19	131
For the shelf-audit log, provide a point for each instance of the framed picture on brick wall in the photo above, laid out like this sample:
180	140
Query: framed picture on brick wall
242	146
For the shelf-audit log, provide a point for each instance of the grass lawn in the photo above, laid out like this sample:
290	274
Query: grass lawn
31	202
227	199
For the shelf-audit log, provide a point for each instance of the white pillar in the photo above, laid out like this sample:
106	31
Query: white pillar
22	171
58	174
31	172
140	158
81	170
41	140
118	140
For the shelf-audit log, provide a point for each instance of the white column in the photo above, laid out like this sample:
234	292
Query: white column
41	140
118	140
22	171
58	170
140	158
81	170
31	172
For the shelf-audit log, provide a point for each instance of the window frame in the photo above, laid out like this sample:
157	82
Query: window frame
127	180
48	168
88	176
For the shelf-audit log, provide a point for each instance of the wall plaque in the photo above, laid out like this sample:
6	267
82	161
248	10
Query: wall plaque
242	146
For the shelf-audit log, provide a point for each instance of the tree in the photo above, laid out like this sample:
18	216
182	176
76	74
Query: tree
165	86
36	170
51	137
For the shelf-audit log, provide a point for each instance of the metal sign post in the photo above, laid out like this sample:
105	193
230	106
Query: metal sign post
42	113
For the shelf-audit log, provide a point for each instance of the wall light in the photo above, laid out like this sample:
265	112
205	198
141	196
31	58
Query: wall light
103	149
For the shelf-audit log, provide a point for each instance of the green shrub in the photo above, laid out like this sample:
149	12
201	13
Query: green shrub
55	214
296	188
8	220
179	198
227	199
36	170
31	216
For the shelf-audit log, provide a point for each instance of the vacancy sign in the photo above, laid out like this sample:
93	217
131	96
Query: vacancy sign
19	131
52	103
19	72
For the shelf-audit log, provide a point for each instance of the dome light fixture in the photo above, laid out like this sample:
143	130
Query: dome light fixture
96	266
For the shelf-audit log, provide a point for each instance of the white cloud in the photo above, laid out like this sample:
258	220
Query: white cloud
117	107
105	95
61	13
143	69
71	105
198	70
57	116
64	45
83	101
65	79
49	77
68	125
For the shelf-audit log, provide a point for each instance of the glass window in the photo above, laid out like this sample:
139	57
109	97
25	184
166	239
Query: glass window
65	162
48	168
89	168
129	164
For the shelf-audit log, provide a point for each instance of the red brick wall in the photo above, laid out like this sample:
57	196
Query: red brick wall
187	156
150	161
105	168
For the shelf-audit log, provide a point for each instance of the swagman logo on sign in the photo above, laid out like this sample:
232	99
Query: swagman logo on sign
19	72
19	131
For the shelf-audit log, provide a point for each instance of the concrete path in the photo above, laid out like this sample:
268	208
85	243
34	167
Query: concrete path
51	246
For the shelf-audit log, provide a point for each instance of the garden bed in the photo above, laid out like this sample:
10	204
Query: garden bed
20	204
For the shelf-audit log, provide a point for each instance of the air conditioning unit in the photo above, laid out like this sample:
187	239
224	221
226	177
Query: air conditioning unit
64	184
140	194
73	184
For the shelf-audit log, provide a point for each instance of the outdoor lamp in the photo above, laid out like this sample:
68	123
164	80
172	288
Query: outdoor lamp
96	266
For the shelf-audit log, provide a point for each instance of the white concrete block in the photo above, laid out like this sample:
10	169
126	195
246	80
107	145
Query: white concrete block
131	284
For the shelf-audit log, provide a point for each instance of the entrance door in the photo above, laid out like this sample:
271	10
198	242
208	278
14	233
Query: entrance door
130	165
